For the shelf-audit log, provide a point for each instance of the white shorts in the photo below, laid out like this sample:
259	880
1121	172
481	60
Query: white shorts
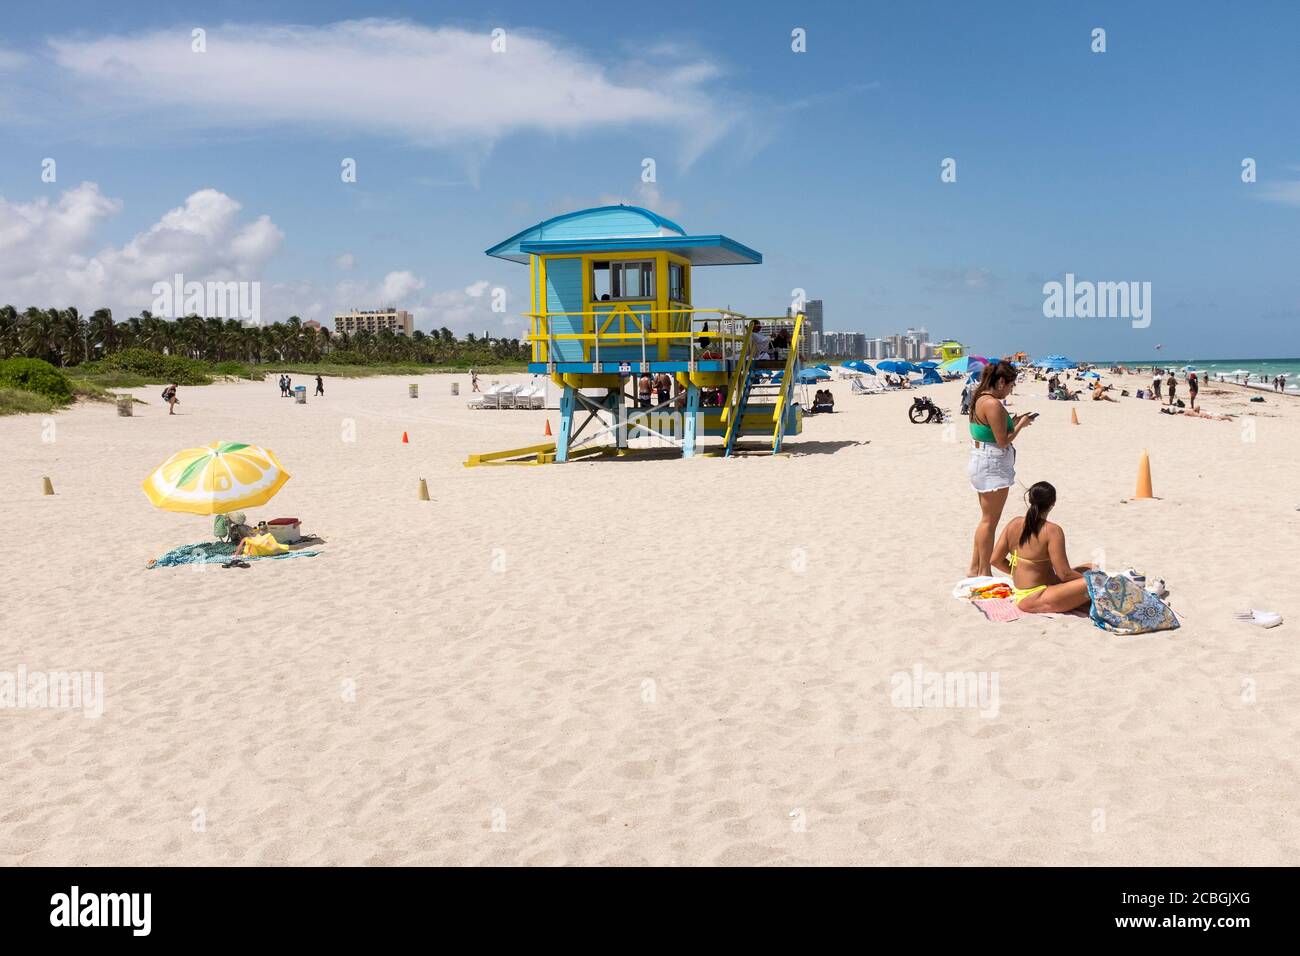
992	467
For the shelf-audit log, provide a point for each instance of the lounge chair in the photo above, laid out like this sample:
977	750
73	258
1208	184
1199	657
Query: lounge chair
489	399
506	397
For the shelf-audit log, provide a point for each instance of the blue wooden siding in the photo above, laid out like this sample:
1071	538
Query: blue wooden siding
564	294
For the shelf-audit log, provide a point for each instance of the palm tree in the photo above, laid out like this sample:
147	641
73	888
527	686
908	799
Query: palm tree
102	332
8	331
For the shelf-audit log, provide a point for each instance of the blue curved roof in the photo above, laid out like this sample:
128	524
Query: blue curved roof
620	228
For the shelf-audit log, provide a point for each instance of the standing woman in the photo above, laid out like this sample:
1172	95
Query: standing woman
992	466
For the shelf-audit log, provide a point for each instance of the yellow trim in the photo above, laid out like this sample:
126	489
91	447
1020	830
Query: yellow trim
788	378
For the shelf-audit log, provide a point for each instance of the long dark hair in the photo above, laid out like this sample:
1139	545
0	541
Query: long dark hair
1040	497
994	374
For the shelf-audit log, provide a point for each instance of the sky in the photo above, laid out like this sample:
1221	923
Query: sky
225	164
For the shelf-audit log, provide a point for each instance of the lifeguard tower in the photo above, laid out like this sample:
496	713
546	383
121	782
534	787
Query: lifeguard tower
612	300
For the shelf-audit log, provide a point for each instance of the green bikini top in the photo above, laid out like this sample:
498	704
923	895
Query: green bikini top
985	434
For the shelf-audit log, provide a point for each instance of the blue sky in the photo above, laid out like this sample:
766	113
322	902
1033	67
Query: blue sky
1119	166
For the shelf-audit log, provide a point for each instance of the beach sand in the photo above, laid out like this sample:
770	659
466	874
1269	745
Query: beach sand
632	661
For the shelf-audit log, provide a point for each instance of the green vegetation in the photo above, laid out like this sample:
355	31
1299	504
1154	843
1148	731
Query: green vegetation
14	401
64	338
37	377
49	357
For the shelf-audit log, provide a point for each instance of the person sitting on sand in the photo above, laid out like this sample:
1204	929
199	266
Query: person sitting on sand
1032	550
1099	393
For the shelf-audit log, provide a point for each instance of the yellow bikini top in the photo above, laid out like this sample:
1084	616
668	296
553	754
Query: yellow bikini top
1014	558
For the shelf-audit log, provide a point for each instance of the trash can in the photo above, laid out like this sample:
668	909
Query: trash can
125	406
455	388
300	394
414	390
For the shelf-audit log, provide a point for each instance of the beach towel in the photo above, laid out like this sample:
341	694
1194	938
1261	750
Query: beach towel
963	588
1121	607
1000	610
213	552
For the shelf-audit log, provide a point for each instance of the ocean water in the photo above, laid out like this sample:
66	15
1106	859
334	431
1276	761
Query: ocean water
1234	370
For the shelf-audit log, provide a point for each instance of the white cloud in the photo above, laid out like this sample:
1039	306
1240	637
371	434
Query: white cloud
398	286
45	256
1286	193
47	259
347	262
646	195
431	86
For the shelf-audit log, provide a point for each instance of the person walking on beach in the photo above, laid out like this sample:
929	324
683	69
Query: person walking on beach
1193	386
1172	384
1155	386
320	384
992	468
169	396
473	381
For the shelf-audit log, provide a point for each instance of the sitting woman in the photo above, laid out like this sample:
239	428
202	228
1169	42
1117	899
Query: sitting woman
1032	550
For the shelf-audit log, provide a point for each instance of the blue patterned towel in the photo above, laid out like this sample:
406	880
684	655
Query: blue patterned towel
215	552
1121	607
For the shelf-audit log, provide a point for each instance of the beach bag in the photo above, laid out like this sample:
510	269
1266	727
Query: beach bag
1121	607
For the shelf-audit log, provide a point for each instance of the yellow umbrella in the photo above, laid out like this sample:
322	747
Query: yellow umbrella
217	478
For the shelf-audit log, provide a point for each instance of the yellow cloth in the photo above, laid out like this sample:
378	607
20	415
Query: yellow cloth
263	546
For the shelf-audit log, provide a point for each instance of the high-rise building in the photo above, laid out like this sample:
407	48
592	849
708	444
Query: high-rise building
375	320
812	311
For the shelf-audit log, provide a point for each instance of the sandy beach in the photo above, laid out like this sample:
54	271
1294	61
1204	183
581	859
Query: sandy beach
644	661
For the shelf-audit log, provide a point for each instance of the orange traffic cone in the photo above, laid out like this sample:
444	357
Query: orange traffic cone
1144	477
405	440
548	428
1074	417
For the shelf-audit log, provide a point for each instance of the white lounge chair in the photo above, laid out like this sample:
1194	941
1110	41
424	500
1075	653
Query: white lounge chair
506	397
489	399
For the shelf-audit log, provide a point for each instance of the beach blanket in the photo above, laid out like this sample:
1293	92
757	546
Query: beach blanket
1000	610
1121	607
215	552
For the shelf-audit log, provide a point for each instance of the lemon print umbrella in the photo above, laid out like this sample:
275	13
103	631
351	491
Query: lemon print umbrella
217	478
